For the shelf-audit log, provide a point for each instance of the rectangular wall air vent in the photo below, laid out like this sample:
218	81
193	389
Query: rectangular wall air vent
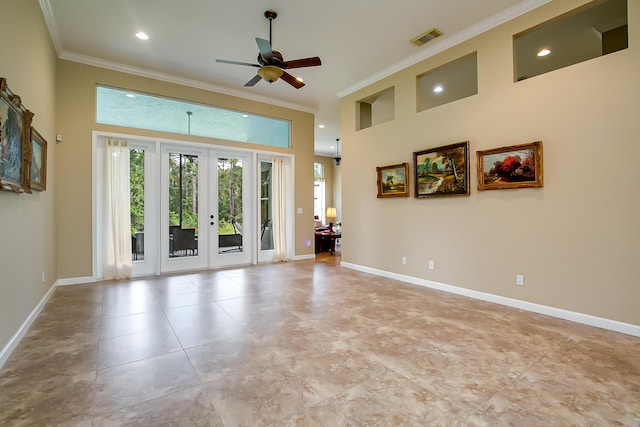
426	36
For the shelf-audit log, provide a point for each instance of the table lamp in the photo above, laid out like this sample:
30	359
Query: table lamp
331	215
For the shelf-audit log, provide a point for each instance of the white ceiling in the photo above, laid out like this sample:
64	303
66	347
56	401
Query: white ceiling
358	41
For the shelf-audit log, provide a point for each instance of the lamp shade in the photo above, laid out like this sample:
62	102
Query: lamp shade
331	213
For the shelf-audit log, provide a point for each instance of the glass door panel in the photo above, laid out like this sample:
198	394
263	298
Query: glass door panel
232	241
266	228
183	205
183	223
230	213
142	178
136	184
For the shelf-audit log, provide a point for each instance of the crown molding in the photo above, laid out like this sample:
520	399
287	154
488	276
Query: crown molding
440	45
170	78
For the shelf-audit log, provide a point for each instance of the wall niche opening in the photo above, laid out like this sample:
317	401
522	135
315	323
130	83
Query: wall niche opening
375	109
450	82
596	29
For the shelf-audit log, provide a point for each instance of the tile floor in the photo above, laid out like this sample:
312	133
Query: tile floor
309	344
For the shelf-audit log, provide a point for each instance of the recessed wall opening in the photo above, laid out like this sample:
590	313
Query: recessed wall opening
375	109
452	81
597	29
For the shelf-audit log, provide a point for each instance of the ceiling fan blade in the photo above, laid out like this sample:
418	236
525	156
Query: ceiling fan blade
253	81
300	63
291	80
226	61
265	49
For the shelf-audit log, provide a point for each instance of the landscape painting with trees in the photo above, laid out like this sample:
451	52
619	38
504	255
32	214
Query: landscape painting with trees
392	180
514	166
442	171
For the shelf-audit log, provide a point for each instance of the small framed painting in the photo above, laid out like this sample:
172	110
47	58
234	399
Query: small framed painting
515	166
38	161
442	171
392	180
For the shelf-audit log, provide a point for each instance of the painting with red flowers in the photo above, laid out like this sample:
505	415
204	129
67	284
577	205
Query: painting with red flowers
515	166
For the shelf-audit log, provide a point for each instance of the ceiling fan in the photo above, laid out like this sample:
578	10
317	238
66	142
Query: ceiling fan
271	64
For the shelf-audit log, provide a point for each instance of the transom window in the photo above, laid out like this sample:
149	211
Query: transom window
142	111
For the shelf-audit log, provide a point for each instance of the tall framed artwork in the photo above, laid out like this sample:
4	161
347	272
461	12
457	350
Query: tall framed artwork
38	172
15	144
442	171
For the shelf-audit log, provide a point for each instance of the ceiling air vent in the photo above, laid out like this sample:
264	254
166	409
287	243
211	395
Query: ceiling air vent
426	36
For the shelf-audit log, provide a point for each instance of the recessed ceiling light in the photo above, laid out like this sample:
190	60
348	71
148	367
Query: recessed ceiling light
130	95
321	126
142	35
438	89
544	52
245	115
332	147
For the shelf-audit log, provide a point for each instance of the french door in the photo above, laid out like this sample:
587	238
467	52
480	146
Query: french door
231	209
193	206
207	209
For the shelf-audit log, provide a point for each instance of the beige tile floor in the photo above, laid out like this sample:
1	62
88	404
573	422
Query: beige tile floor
309	344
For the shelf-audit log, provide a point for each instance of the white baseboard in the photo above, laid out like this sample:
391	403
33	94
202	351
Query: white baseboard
302	257
15	340
587	319
75	281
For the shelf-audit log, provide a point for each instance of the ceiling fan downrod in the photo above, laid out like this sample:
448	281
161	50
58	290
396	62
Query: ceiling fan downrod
270	15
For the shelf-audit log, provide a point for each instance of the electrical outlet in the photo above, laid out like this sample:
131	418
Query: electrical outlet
404	260
519	280
432	264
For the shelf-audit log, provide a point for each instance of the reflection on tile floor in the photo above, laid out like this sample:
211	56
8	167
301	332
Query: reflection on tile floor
309	343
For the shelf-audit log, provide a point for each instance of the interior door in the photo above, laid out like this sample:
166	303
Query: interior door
232	238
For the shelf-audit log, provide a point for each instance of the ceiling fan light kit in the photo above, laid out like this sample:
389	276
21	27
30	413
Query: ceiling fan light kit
271	64
270	73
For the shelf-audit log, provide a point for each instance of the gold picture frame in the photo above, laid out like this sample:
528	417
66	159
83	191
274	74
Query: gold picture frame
15	145
393	180
38	167
513	166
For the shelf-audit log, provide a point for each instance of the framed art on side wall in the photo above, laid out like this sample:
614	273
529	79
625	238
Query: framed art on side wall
514	166
393	180
15	147
38	173
442	171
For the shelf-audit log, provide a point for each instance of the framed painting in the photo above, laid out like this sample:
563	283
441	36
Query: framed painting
515	166
38	174
15	147
393	180
442	171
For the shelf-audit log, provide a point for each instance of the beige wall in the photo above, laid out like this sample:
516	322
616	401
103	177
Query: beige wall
27	238
576	240
76	121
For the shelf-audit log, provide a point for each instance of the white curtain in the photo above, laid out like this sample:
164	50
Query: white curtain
117	260
279	211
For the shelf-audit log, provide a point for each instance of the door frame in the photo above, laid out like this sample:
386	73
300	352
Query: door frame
153	250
